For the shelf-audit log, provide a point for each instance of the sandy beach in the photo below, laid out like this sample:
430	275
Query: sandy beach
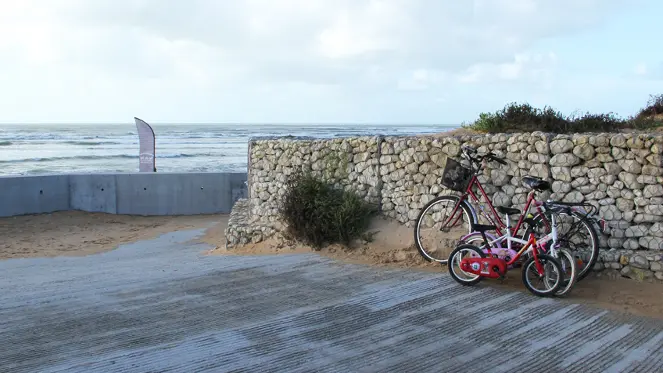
75	233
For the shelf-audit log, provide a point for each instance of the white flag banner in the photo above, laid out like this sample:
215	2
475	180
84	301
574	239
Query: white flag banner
146	155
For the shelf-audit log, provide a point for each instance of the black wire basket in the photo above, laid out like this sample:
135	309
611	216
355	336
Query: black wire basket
455	176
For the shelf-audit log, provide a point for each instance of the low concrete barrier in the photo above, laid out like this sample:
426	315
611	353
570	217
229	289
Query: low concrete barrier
123	193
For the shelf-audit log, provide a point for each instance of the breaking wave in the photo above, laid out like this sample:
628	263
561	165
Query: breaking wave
115	156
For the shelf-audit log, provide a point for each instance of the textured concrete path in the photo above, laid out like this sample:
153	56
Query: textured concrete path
164	306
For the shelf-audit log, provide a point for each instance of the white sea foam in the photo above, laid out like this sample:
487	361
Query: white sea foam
38	149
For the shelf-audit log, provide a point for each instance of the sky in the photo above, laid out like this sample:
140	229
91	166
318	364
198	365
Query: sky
322	61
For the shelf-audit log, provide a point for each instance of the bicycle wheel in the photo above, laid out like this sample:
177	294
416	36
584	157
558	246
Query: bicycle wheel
438	227
552	278
475	239
569	268
462	277
577	234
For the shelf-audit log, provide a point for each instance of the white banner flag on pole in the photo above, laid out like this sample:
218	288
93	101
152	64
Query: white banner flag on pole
146	155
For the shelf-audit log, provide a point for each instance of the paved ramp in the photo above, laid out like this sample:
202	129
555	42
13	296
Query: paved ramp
163	306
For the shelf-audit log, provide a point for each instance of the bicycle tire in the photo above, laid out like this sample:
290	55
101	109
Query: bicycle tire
594	241
569	281
453	274
545	258
464	209
472	238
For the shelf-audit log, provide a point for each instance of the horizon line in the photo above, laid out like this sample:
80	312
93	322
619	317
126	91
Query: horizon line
232	123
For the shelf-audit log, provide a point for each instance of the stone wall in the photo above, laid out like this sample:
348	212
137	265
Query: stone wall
350	163
621	174
411	169
638	265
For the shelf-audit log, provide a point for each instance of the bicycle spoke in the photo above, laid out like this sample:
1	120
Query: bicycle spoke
439	226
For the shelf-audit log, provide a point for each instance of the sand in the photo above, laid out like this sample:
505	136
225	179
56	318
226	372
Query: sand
392	243
75	233
393	246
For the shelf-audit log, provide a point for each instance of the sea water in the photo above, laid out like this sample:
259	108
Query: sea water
83	148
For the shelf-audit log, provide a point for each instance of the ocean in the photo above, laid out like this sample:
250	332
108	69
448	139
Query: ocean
49	148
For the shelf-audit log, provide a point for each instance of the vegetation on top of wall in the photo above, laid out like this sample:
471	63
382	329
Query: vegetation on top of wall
317	214
517	117
654	108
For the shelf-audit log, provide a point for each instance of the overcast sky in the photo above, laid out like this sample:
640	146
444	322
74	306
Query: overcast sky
379	61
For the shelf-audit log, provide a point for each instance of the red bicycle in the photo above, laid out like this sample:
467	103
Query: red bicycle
477	265
453	216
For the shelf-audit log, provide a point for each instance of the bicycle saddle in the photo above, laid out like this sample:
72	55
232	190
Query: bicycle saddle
536	183
483	227
507	210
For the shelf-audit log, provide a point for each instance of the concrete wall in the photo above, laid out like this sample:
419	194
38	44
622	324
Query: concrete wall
123	193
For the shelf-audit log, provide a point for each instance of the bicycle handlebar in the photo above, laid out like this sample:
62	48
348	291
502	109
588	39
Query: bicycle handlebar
498	160
469	153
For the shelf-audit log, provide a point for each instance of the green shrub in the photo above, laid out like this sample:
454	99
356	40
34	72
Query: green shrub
515	117
589	122
654	107
318	214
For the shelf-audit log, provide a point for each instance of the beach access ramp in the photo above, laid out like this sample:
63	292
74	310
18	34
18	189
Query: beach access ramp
164	305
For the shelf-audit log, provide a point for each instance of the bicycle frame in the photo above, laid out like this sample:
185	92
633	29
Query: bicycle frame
532	244
495	219
599	222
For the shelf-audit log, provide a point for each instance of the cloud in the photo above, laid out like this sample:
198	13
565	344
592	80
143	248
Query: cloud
146	55
533	68
640	69
421	79
649	71
447	34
